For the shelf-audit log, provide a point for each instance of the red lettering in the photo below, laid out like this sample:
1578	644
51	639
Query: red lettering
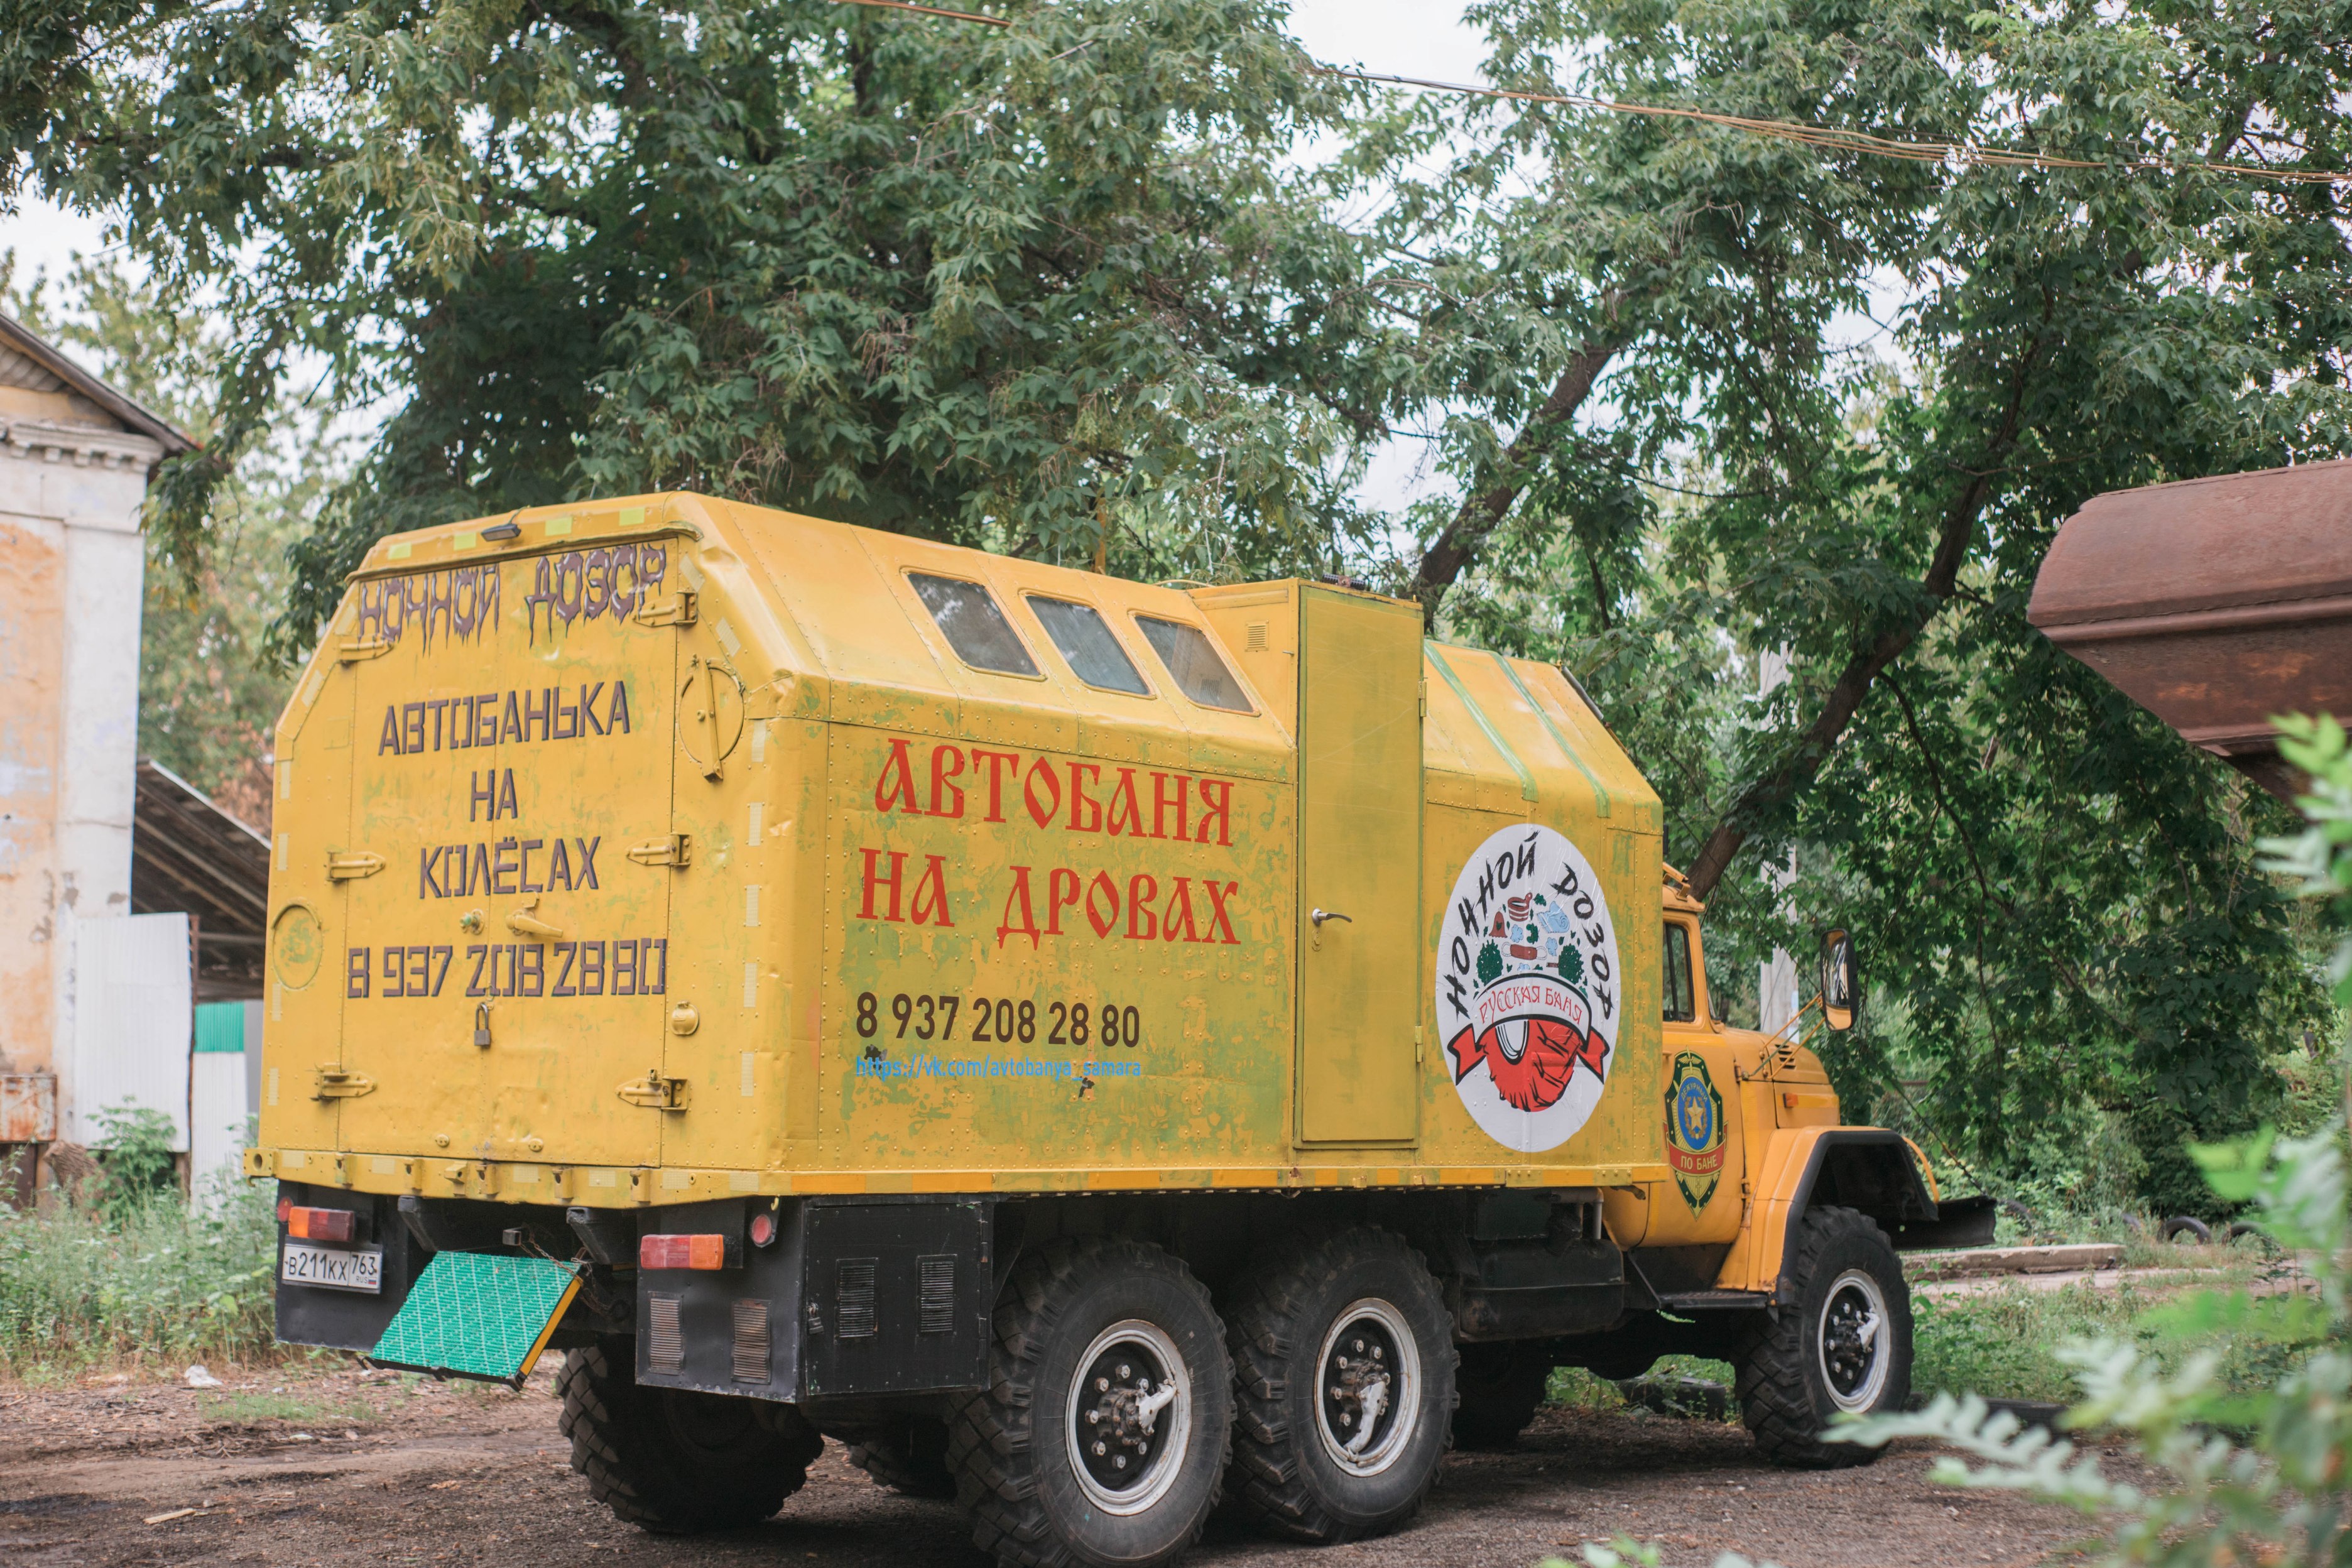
1102	919
1090	819
1142	925
997	762
1161	803
896	787
931	893
1061	893
1218	893
947	799
1216	805
891	881
1042	812
1178	898
1123	808
1019	892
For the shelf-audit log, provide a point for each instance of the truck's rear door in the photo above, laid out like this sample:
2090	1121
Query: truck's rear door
505	969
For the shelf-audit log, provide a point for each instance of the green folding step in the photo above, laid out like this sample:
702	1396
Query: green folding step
471	1314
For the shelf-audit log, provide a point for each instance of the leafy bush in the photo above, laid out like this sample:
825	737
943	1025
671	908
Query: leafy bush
137	1146
86	1284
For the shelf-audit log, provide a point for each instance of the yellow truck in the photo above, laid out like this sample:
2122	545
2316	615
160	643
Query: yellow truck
1090	1046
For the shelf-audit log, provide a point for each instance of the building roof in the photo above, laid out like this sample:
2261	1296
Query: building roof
29	360
187	853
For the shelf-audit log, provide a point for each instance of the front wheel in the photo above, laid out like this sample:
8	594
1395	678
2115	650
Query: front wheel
1841	1348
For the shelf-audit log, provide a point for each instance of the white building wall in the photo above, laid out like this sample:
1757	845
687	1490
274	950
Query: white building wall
71	587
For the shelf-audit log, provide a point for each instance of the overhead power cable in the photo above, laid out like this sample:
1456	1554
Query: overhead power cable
1837	140
1824	137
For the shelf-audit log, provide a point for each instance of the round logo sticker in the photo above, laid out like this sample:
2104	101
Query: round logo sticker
1528	988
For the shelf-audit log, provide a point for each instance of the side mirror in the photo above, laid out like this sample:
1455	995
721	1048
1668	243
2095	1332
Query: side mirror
1840	980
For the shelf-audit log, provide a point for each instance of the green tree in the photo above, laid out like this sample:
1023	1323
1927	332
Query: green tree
1673	458
1024	286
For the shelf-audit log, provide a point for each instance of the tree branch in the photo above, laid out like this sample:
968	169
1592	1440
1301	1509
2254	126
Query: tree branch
1799	765
1457	546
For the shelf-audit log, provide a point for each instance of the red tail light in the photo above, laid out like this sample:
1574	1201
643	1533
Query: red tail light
318	1224
284	1207
763	1228
682	1252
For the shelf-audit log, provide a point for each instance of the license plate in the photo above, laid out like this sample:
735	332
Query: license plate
331	1268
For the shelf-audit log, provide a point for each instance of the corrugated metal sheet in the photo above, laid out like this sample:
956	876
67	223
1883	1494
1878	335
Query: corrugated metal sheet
134	1013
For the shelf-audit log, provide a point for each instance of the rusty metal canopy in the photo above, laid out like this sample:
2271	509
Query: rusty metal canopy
188	854
2214	603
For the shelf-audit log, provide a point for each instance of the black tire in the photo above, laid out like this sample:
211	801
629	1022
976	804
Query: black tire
1501	1386
675	1462
909	1457
1133	1317
1356	1311
2196	1230
1789	1393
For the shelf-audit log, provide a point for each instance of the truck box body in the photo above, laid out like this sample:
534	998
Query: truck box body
666	849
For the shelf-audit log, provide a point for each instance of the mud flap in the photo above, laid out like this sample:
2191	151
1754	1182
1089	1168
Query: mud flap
471	1314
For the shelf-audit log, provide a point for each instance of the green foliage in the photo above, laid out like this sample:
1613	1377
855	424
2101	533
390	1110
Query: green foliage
87	1286
2253	1463
962	281
2319	859
2062	893
136	1141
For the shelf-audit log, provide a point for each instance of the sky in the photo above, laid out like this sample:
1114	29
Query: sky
1401	38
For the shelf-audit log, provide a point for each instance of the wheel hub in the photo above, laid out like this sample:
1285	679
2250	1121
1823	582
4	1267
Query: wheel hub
1852	1341
1127	1416
1369	1387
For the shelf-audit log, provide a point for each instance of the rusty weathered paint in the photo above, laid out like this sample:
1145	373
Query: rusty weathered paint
836	911
2214	603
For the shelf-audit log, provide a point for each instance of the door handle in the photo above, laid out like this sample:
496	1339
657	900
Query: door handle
1319	916
523	923
677	850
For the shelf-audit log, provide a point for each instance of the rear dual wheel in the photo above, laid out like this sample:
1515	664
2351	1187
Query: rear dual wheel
1344	1366
1102	1437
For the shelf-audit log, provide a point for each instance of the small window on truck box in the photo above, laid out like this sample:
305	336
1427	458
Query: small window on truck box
1199	673
1682	1004
1085	640
974	624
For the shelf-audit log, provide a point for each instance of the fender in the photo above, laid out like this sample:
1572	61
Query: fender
1866	1168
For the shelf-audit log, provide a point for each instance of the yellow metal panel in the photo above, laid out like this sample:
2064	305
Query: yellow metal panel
303	980
515	741
1360	832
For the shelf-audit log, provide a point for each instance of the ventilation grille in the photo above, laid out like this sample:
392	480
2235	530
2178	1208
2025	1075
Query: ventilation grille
666	1346
937	1293
750	1361
853	1303
1256	639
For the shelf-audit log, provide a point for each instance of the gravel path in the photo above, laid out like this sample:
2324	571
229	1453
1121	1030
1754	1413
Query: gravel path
337	1468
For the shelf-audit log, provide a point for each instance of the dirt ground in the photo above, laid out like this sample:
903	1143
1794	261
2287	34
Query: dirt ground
340	1467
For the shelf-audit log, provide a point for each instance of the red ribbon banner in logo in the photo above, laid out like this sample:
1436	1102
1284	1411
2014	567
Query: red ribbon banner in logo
1546	1062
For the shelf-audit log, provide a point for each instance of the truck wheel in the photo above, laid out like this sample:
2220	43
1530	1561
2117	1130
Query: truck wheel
1102	1435
1501	1387
676	1462
909	1457
1343	1358
1843	1347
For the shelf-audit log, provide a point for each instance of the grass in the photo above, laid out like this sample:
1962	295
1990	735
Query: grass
159	1281
244	1409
